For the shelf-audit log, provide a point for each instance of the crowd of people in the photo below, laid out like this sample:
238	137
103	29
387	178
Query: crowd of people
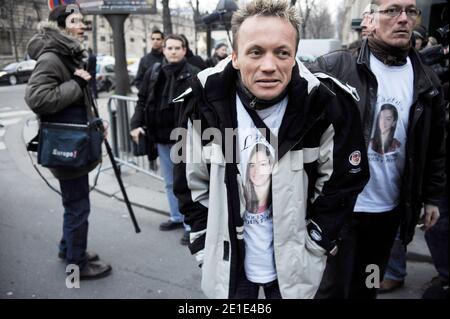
333	163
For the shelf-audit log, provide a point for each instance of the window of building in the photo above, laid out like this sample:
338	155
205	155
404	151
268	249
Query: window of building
3	13
102	39
131	39
5	43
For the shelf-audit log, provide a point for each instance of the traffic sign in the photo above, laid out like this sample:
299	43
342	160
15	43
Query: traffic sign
54	3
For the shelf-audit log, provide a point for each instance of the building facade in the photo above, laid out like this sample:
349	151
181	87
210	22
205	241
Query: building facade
353	18
137	31
19	21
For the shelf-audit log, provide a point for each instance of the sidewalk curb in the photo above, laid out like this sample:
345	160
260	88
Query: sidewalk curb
133	203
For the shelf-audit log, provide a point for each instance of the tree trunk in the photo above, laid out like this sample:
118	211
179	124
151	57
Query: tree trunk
196	13
13	29
305	12
167	19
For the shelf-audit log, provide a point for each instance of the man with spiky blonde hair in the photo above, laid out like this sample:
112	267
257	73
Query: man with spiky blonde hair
268	215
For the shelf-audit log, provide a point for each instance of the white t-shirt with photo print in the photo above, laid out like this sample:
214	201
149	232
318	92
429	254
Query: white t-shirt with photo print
386	151
257	158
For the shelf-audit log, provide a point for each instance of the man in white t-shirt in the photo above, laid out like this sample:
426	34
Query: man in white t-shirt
267	214
402	115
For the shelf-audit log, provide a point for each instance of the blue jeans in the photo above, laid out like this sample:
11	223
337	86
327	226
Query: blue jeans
167	171
396	268
75	199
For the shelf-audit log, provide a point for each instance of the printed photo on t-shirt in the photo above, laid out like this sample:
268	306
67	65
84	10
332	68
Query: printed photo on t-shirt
258	181
383	140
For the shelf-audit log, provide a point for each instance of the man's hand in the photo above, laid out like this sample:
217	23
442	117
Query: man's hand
135	134
431	216
82	74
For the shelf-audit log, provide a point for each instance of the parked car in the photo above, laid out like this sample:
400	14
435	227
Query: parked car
17	72
306	58
105	77
317	47
132	71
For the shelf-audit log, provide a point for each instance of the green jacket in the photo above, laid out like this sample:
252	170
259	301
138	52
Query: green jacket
51	88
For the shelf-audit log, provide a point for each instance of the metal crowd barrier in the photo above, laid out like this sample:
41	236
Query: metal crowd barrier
120	110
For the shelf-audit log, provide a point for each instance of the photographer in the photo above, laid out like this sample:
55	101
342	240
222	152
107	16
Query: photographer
59	95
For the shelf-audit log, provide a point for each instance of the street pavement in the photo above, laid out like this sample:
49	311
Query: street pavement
150	265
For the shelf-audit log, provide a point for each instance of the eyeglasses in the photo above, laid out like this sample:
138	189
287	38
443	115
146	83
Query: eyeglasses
396	12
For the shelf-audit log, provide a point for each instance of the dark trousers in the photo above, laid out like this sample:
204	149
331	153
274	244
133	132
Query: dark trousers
366	241
437	241
250	290
75	198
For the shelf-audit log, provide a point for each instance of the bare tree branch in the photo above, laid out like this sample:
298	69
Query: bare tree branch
305	8
320	25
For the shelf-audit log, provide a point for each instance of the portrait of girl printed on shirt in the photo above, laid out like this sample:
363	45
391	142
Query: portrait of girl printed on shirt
257	187
383	140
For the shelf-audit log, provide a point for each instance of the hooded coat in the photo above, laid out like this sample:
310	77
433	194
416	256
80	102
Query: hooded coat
52	92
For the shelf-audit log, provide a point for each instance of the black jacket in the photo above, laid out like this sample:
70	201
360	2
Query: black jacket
434	56
424	175
145	64
195	60
314	108
213	61
160	123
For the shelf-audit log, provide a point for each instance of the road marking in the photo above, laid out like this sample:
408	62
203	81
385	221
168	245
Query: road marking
9	118
5	108
10	121
13	114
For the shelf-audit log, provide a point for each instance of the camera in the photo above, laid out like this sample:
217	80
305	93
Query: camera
213	17
441	35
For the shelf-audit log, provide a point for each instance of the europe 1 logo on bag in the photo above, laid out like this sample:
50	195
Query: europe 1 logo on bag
64	145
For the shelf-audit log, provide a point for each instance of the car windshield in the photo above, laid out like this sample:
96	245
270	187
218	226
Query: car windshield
10	67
